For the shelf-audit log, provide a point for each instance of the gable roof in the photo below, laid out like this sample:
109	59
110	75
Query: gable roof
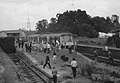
11	31
3	34
22	33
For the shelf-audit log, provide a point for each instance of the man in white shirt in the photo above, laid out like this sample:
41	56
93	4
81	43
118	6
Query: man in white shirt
48	48
54	73
44	47
73	66
54	57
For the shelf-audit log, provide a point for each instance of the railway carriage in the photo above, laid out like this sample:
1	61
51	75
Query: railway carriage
65	39
34	38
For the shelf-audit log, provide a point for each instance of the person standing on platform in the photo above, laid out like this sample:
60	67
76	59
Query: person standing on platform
110	58
30	46
48	48
73	67
15	43
70	49
47	61
26	46
44	47
54	57
19	43
105	50
62	46
54	73
95	54
22	42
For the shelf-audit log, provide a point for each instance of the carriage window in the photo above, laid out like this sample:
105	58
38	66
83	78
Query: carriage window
70	39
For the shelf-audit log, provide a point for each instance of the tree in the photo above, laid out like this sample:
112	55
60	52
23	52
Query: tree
88	31
52	26
71	21
115	21
80	23
42	25
53	20
109	24
100	24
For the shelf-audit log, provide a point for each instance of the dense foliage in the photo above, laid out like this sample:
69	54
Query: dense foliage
80	23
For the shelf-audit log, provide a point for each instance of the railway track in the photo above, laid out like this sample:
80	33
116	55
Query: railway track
87	50
103	59
29	72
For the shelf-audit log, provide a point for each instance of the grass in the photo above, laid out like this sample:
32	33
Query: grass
41	62
82	70
80	80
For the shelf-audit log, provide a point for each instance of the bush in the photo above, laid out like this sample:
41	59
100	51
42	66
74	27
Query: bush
65	59
92	41
89	69
41	62
82	70
69	81
67	77
63	56
86	69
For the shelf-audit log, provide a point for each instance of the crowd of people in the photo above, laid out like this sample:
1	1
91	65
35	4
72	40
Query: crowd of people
21	43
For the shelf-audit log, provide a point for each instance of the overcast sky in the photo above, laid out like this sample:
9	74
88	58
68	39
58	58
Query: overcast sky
15	13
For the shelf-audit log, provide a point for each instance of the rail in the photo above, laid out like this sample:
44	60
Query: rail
38	72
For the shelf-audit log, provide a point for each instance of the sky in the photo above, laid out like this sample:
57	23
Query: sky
14	14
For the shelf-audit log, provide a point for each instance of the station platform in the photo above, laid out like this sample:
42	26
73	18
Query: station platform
61	66
36	62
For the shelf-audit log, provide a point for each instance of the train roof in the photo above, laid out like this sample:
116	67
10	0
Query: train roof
51	34
56	34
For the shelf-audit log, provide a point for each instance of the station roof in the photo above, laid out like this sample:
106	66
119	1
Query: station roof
11	31
22	33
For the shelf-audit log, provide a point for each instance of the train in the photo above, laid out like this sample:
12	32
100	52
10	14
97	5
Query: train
65	39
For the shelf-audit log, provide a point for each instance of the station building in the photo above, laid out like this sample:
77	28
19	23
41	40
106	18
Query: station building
16	33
